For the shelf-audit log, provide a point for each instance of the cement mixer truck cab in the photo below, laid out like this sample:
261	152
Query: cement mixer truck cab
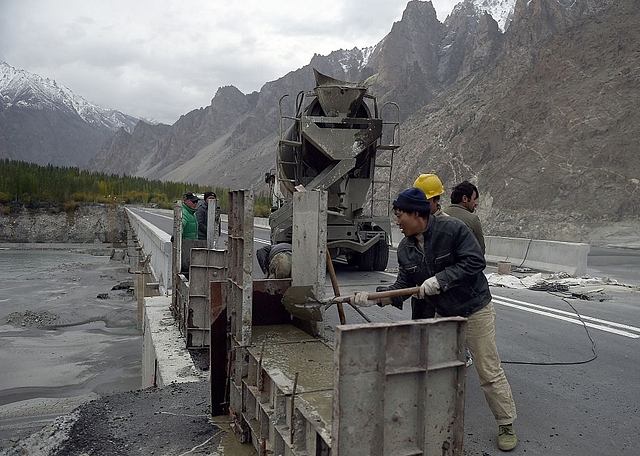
338	141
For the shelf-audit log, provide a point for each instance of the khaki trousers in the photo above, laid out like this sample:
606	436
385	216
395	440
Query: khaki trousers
481	340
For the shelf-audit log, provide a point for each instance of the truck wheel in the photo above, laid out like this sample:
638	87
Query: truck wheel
381	256
365	260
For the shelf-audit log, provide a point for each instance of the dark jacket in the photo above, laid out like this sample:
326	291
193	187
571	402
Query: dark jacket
453	255
201	216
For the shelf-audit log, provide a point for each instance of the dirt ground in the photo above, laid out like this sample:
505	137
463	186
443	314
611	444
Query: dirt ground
70	352
169	421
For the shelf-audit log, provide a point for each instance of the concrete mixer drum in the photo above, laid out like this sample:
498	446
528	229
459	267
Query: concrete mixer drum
334	143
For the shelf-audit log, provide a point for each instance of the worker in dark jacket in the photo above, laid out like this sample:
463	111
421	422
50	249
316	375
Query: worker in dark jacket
275	260
202	214
441	255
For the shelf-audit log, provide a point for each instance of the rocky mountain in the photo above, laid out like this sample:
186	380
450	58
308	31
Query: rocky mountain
547	131
532	100
44	122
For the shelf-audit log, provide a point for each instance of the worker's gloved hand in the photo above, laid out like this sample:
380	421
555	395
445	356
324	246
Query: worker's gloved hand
429	287
383	301
361	299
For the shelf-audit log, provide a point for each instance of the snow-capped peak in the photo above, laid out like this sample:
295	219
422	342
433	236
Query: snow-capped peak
500	10
29	90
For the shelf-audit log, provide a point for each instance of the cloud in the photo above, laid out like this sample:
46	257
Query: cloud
161	59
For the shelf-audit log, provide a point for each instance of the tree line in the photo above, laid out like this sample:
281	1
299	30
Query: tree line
23	183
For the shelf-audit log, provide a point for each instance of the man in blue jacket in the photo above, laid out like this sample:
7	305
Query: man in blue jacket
441	255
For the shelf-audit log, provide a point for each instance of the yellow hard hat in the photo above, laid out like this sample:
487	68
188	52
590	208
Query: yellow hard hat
430	184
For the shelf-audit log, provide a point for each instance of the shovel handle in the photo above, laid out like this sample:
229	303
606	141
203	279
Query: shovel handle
382	294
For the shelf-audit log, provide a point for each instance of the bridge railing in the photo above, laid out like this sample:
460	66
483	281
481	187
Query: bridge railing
156	243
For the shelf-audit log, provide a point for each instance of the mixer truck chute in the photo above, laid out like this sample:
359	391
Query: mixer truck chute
334	142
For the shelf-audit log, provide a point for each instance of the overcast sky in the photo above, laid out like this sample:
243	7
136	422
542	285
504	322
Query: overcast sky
159	59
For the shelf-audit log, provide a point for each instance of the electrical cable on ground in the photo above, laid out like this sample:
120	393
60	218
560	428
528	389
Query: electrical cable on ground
568	363
526	253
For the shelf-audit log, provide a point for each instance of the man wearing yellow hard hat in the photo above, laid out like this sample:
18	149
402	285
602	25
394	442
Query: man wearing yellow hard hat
432	187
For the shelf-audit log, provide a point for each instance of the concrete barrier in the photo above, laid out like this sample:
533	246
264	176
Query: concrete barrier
538	254
549	256
156	243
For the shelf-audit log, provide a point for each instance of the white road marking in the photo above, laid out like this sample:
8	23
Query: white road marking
561	315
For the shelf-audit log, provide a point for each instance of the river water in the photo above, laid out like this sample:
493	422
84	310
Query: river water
60	345
17	263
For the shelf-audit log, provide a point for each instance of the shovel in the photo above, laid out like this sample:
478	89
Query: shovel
302	303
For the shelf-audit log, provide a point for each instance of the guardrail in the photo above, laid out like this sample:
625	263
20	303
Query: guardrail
156	243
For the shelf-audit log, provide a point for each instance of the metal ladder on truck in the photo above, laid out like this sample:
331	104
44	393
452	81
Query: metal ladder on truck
383	165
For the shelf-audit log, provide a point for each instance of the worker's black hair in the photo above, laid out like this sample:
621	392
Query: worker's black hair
465	188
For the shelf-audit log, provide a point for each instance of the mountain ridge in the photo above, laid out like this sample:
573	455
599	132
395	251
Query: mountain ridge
30	105
541	116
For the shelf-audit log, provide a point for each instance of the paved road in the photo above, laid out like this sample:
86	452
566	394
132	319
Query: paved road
574	378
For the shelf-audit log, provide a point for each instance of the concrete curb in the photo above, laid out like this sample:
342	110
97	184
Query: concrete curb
165	358
541	255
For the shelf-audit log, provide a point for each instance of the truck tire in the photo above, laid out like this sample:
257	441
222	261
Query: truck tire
365	260
376	258
381	257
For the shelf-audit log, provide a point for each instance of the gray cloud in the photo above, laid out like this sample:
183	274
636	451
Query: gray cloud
161	59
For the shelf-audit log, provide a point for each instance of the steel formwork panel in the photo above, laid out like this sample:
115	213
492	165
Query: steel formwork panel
386	389
239	302
176	249
309	245
205	266
399	388
240	246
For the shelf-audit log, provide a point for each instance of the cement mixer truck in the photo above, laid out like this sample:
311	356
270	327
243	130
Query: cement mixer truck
338	141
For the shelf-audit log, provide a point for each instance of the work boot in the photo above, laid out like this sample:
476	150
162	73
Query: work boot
507	439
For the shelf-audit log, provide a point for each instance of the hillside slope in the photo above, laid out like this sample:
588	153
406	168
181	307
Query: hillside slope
541	116
549	140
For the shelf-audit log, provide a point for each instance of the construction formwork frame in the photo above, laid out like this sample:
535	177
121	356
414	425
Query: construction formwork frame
399	388
206	266
382	389
176	249
193	267
309	246
239	301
